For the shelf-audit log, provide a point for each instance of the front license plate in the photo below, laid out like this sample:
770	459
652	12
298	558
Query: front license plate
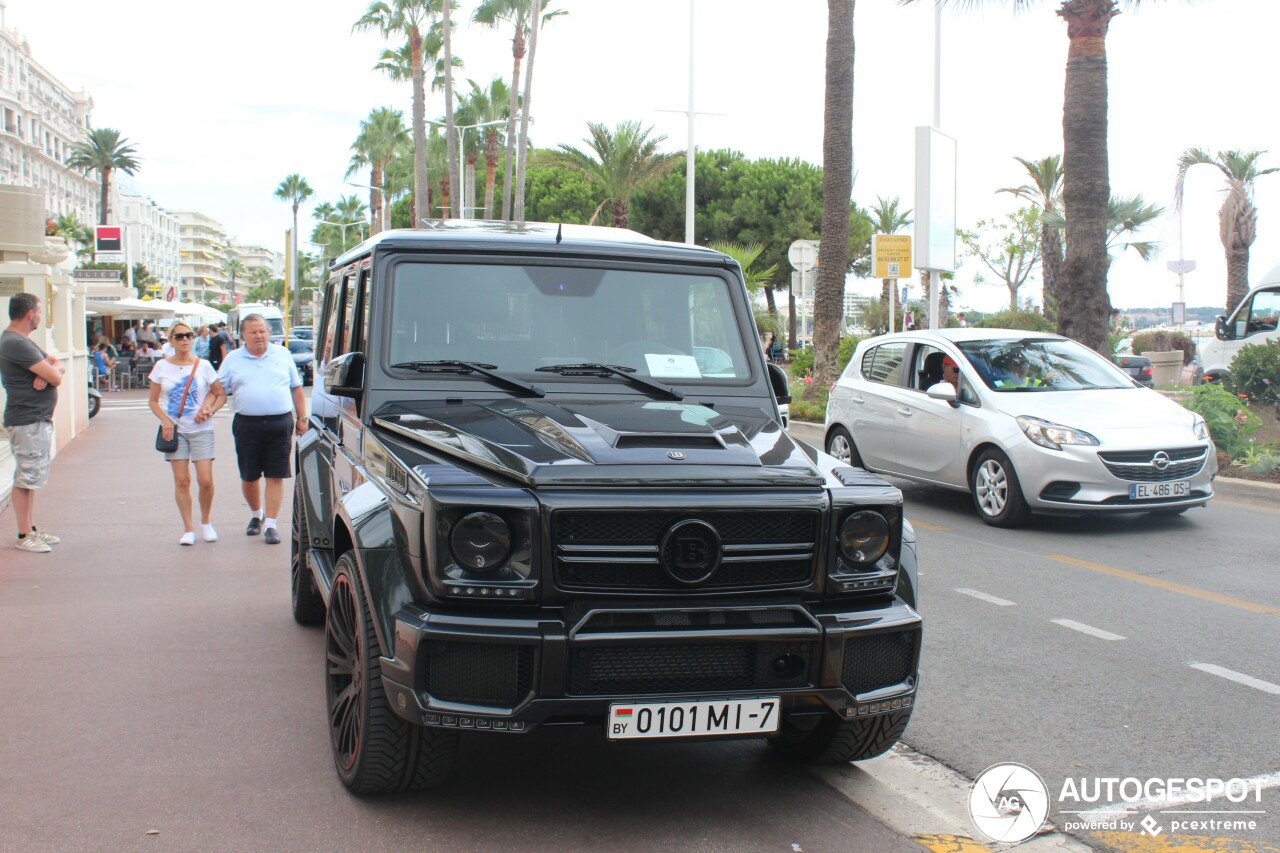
1180	489
693	719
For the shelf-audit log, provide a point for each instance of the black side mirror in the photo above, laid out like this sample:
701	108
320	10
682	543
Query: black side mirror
344	376
778	381
1220	328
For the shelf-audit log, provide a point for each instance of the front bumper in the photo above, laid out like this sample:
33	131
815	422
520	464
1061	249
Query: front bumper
1075	479
508	672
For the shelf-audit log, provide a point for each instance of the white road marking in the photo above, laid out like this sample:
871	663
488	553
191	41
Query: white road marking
1238	677
982	596
1087	629
1253	783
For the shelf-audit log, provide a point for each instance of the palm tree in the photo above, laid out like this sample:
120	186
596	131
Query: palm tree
837	187
620	163
887	218
381	134
295	190
1126	216
104	151
231	268
1237	218
406	18
483	107
1084	308
1045	192
78	235
518	13
746	254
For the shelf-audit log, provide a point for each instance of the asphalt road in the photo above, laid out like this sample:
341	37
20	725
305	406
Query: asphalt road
161	698
1124	646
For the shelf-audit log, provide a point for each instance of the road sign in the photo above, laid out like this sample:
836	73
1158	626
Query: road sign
891	255
1181	267
803	255
108	238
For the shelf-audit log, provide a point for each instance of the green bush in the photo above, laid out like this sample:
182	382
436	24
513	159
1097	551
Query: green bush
813	409
1157	341
1009	318
1255	367
1259	459
802	359
1230	423
1183	341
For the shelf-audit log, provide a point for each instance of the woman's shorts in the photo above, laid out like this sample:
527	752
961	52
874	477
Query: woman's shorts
196	446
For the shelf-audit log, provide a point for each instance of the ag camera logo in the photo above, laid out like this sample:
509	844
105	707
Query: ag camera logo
1008	802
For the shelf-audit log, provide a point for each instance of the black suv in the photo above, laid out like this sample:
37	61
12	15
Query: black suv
545	484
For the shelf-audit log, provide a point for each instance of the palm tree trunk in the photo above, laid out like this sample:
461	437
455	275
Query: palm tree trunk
106	194
451	144
517	54
837	187
1051	269
490	170
421	212
1237	276
620	213
1084	308
524	113
375	200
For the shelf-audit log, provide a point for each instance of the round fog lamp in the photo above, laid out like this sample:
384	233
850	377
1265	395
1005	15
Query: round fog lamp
864	537
480	541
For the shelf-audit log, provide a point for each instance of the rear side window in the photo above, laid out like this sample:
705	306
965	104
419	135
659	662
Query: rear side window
884	364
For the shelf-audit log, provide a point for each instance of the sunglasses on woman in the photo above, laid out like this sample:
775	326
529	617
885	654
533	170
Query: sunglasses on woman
183	336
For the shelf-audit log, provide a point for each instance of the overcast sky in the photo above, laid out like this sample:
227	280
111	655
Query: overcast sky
223	100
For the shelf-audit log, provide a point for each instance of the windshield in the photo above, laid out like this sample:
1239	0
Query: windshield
275	326
672	326
1041	365
299	346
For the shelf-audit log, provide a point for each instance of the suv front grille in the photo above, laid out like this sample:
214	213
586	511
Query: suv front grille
662	668
1140	466
479	673
612	551
878	661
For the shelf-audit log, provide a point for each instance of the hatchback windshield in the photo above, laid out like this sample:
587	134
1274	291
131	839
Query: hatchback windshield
674	326
1044	364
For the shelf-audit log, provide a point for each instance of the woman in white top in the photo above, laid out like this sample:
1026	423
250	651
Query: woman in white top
191	419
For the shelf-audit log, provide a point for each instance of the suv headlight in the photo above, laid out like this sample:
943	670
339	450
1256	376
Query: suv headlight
865	554
864	537
1053	436
481	542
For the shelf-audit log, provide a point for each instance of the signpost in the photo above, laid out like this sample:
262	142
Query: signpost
891	258
1180	268
803	256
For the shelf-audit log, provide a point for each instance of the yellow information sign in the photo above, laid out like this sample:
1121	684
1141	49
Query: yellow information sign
891	255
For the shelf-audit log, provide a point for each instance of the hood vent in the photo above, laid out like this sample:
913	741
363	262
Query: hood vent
674	441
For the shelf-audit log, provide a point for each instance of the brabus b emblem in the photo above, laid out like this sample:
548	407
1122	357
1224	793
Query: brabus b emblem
675	454
690	551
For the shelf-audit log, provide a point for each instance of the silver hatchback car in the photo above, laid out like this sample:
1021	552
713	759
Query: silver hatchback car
1025	422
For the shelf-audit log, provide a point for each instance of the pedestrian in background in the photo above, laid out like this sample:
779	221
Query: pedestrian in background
31	379
185	392
266	392
219	344
201	348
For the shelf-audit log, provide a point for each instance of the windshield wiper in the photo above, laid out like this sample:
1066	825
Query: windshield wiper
627	373
485	370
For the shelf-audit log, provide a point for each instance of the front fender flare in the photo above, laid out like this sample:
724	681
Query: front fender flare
366	522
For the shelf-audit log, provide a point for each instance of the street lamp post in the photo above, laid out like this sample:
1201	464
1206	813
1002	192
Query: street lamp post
344	226
463	207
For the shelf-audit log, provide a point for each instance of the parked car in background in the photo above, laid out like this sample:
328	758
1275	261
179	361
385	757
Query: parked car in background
1137	367
304	357
1033	423
302	333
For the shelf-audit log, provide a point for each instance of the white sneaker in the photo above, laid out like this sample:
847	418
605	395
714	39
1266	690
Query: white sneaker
209	534
33	544
188	538
46	537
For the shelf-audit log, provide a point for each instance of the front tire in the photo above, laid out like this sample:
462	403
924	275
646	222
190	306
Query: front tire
308	606
840	445
832	740
996	492
95	403
374	751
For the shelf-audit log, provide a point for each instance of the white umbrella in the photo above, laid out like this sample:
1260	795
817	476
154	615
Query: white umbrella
131	308
196	311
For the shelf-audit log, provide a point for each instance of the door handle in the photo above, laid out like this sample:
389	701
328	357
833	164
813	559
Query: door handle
858	399
906	413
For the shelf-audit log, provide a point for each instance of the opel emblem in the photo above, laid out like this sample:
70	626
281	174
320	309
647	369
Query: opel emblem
1160	460
675	454
690	551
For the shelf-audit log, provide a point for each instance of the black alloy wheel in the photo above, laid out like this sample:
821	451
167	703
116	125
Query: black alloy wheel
308	606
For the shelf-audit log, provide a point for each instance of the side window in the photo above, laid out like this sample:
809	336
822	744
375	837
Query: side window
926	367
1262	315
332	312
884	364
366	291
347	322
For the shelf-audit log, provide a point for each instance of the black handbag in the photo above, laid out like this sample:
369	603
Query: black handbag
170	445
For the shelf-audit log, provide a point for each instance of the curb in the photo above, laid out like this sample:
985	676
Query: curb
1226	487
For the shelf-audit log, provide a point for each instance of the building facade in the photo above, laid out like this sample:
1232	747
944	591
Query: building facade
255	258
153	239
203	253
40	121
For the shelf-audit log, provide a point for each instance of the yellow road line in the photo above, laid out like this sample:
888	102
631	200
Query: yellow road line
1133	842
927	526
950	844
1168	586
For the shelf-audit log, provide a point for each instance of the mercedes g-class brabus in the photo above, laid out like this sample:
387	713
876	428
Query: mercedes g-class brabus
545	484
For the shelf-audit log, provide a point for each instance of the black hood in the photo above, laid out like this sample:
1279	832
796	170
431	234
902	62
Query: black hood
623	442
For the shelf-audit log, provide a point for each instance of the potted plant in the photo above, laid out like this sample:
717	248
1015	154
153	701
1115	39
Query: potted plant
1166	362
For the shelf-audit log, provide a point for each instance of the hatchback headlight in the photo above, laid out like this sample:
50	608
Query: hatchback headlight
1200	428
1053	436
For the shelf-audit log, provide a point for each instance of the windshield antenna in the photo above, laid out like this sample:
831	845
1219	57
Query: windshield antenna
559	228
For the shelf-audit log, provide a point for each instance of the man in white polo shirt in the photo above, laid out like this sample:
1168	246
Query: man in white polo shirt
266	392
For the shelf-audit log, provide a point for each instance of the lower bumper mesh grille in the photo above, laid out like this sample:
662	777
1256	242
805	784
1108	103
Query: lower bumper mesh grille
479	673
879	660
654	668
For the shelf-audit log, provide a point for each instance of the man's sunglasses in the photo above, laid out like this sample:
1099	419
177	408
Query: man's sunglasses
183	336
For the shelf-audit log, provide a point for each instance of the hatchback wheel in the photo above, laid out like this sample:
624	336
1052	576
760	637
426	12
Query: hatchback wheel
996	491
840	445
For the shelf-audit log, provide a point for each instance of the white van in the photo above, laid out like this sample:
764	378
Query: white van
270	313
1254	321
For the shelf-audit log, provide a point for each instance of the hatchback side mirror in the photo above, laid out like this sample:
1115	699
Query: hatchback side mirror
344	376
778	381
943	391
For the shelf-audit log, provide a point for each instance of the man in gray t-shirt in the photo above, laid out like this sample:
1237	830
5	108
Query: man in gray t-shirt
31	379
